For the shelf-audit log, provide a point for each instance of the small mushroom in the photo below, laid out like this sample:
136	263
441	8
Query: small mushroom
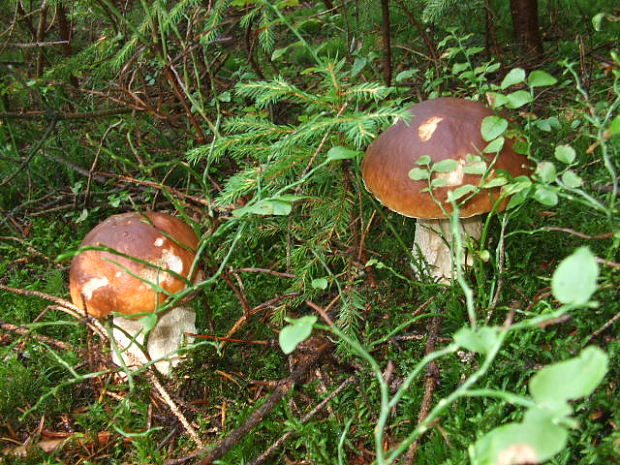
152	252
443	128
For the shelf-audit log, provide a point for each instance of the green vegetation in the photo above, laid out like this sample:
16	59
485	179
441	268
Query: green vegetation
249	120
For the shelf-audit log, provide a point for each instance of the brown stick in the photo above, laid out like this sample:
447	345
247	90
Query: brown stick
579	234
603	328
39	114
421	30
240	322
62	305
282	439
23	331
263	270
283	387
431	381
387	45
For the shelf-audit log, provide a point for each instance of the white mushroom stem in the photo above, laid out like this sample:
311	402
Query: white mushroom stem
164	340
433	243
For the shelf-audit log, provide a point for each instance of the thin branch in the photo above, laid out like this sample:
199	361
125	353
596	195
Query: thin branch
36	44
320	406
603	328
387	46
40	114
431	381
263	270
28	332
258	415
579	234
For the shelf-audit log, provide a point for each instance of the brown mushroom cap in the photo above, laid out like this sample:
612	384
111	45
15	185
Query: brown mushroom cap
443	128
98	280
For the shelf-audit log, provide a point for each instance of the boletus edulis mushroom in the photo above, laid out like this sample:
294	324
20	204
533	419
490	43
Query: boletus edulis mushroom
152	256
439	129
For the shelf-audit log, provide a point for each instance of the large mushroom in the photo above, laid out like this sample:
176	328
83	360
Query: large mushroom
152	256
440	129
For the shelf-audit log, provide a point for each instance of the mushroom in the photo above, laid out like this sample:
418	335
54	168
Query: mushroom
443	128
153	256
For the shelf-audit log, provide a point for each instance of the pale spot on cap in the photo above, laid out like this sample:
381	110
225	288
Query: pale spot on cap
92	285
159	241
171	261
428	127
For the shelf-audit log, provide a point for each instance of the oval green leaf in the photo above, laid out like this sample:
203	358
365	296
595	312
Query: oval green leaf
574	280
319	283
515	76
571	379
296	332
571	179
546	172
565	153
493	127
418	174
445	166
519	98
541	79
341	153
546	195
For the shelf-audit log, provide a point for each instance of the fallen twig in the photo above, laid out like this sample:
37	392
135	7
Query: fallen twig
278	443
283	387
431	381
24	331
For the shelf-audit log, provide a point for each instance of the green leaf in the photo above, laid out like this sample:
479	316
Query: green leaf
359	64
341	153
495	182
459	192
571	179
319	283
519	98
494	146
424	160
597	19
82	216
565	153
497	100
515	76
418	174
148	322
279	206
445	166
376	263
480	340
545	170
546	195
540	79
400	77
574	280
459	67
614	127
296	332
518	198
439	182
571	379
548	124
534	441
473	50
478	167
277	53
493	127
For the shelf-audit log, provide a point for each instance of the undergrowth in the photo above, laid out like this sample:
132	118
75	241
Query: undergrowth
249	120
